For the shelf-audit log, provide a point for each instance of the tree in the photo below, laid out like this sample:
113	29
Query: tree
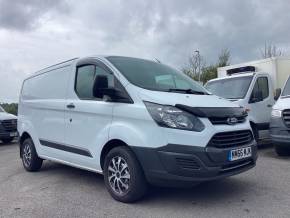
192	67
224	58
208	72
10	108
270	50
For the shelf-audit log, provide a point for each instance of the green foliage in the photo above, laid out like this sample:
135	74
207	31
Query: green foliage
208	73
224	58
10	108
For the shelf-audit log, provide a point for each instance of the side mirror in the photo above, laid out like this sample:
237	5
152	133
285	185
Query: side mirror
256	97
277	94
101	88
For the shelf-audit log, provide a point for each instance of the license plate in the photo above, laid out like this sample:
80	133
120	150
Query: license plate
240	153
13	134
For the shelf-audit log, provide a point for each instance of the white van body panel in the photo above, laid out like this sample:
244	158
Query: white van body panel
6	116
281	104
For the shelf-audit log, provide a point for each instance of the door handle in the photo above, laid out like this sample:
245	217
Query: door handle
269	105
71	106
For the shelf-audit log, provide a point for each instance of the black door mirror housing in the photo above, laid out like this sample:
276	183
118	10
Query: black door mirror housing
100	85
101	88
277	94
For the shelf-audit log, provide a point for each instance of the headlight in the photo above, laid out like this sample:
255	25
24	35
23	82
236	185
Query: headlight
276	113
172	117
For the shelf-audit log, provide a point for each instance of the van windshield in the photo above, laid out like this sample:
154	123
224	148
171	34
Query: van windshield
155	76
230	88
1	109
286	91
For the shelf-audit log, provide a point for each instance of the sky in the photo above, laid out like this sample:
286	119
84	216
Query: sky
35	34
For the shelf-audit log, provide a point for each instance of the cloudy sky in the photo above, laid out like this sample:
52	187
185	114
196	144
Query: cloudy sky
38	33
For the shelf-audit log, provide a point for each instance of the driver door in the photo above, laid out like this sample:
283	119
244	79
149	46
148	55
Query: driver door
261	101
87	119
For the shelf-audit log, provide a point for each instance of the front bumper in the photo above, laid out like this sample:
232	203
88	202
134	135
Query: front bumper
4	134
179	165
280	133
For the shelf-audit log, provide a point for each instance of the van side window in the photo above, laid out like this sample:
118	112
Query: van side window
261	88
84	81
85	78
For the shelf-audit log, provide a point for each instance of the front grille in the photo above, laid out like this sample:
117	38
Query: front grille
10	125
286	117
224	120
231	139
187	163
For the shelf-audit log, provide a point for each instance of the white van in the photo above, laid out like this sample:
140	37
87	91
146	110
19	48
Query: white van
254	85
8	126
254	92
280	122
133	120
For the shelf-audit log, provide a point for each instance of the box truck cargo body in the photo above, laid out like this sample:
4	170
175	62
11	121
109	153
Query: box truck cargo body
278	69
254	85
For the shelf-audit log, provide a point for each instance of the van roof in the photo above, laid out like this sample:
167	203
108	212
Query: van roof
254	62
63	63
58	65
235	76
70	61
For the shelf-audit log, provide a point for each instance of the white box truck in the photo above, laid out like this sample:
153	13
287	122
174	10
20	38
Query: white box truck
253	85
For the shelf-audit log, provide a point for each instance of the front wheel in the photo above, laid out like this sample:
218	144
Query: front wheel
31	161
123	175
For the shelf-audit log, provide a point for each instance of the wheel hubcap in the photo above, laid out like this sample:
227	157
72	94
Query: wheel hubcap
26	155
119	175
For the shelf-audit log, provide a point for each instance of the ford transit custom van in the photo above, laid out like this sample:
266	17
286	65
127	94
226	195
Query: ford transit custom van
135	121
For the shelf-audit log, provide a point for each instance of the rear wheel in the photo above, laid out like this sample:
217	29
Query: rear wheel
31	161
282	150
7	140
123	175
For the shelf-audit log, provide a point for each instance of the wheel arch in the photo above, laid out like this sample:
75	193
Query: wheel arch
23	137
113	143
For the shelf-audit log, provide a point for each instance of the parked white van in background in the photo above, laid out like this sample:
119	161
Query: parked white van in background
8	126
280	122
133	120
255	86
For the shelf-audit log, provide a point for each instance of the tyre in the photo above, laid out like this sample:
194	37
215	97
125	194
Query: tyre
7	140
30	160
282	150
123	175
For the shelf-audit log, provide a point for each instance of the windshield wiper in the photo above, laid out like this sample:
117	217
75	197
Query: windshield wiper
188	91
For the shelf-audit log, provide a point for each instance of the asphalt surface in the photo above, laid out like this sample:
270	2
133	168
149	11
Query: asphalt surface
62	191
